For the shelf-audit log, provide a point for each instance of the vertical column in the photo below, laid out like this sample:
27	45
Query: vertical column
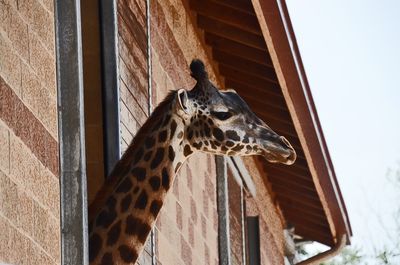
223	211
150	110
74	234
111	107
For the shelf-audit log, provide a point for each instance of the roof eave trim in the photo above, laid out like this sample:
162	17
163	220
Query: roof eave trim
279	36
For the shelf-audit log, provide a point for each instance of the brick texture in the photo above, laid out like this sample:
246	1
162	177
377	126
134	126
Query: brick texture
187	228
29	184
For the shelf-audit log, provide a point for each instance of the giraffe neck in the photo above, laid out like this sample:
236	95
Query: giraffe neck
137	190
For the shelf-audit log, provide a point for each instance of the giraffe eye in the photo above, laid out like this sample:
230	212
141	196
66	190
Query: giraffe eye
221	115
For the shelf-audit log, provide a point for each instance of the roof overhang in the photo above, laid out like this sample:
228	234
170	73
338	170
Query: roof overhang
256	52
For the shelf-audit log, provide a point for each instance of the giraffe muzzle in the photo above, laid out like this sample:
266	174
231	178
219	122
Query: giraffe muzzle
280	151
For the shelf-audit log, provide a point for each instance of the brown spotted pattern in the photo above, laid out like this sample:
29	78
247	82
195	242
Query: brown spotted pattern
203	119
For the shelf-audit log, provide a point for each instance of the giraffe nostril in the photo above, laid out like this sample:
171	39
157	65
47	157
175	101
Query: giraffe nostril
285	142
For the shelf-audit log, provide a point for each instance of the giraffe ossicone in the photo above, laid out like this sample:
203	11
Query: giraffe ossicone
203	119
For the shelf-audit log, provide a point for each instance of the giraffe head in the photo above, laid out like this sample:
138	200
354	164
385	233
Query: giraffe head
220	122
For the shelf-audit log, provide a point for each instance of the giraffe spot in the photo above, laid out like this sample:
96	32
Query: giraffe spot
237	148
187	150
149	142
158	158
107	259
155	183
213	145
124	186
218	134
156	127
210	122
113	234
162	136
125	203
127	254
197	145
248	147
138	156
178	166
166	120
155	207
245	139
132	225
231	153
180	135
171	153
165	178
95	244
229	143
224	148
139	173
111	202
232	135
141	201
217	143
190	134
135	226
173	128
147	156
206	143
136	190
106	218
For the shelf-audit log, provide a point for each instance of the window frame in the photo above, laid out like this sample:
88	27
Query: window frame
247	188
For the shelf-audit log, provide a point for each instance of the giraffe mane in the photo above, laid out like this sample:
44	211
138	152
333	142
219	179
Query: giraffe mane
122	168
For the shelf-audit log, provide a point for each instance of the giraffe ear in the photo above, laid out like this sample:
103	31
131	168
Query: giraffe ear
183	100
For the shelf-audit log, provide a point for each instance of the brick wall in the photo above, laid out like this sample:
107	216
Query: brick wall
133	77
186	230
29	184
132	62
189	219
263	206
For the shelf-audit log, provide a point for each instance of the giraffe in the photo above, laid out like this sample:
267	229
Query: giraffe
202	119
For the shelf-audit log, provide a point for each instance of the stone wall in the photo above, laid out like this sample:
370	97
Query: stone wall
29	177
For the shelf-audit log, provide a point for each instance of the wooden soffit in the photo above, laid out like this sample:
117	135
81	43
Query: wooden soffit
254	47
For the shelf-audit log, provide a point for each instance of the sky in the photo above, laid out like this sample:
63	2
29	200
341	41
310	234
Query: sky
351	54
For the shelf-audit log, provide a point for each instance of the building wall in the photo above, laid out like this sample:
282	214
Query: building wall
133	78
271	222
29	177
189	219
186	230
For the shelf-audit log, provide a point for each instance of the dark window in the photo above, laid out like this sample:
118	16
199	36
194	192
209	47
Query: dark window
92	80
253	240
